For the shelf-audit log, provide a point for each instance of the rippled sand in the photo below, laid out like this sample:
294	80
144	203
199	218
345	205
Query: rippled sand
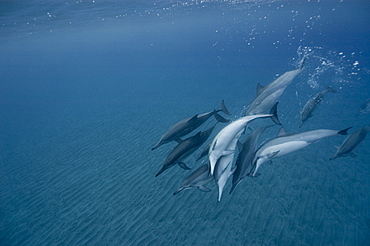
89	179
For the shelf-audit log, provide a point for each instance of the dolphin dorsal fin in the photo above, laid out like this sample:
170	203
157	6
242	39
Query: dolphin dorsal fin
259	88
198	134
195	117
282	132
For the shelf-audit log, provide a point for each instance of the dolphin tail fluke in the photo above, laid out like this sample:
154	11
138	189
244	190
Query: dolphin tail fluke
344	131
224	109
221	119
274	116
183	165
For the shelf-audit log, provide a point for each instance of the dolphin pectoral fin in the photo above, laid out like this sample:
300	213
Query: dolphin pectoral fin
183	166
198	134
224	109
353	155
274	154
221	119
274	116
344	131
337	147
193	119
203	188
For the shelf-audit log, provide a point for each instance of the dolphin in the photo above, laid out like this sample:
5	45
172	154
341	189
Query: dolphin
204	151
365	107
286	143
243	164
312	104
223	139
220	144
184	149
269	94
197	179
223	166
188	125
351	143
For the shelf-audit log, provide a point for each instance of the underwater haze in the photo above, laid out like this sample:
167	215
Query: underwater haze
88	87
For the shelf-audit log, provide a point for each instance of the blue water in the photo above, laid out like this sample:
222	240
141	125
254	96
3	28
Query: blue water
88	87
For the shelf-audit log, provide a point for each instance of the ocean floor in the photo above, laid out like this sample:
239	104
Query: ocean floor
89	88
86	176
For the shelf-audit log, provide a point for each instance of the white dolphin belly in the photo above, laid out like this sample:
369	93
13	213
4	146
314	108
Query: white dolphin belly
220	144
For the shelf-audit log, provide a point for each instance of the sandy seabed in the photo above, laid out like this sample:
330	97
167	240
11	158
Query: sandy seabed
87	178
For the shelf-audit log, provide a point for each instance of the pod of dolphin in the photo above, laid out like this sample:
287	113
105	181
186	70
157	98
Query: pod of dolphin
225	146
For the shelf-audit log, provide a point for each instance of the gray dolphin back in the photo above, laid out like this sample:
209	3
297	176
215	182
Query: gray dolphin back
351	143
197	179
